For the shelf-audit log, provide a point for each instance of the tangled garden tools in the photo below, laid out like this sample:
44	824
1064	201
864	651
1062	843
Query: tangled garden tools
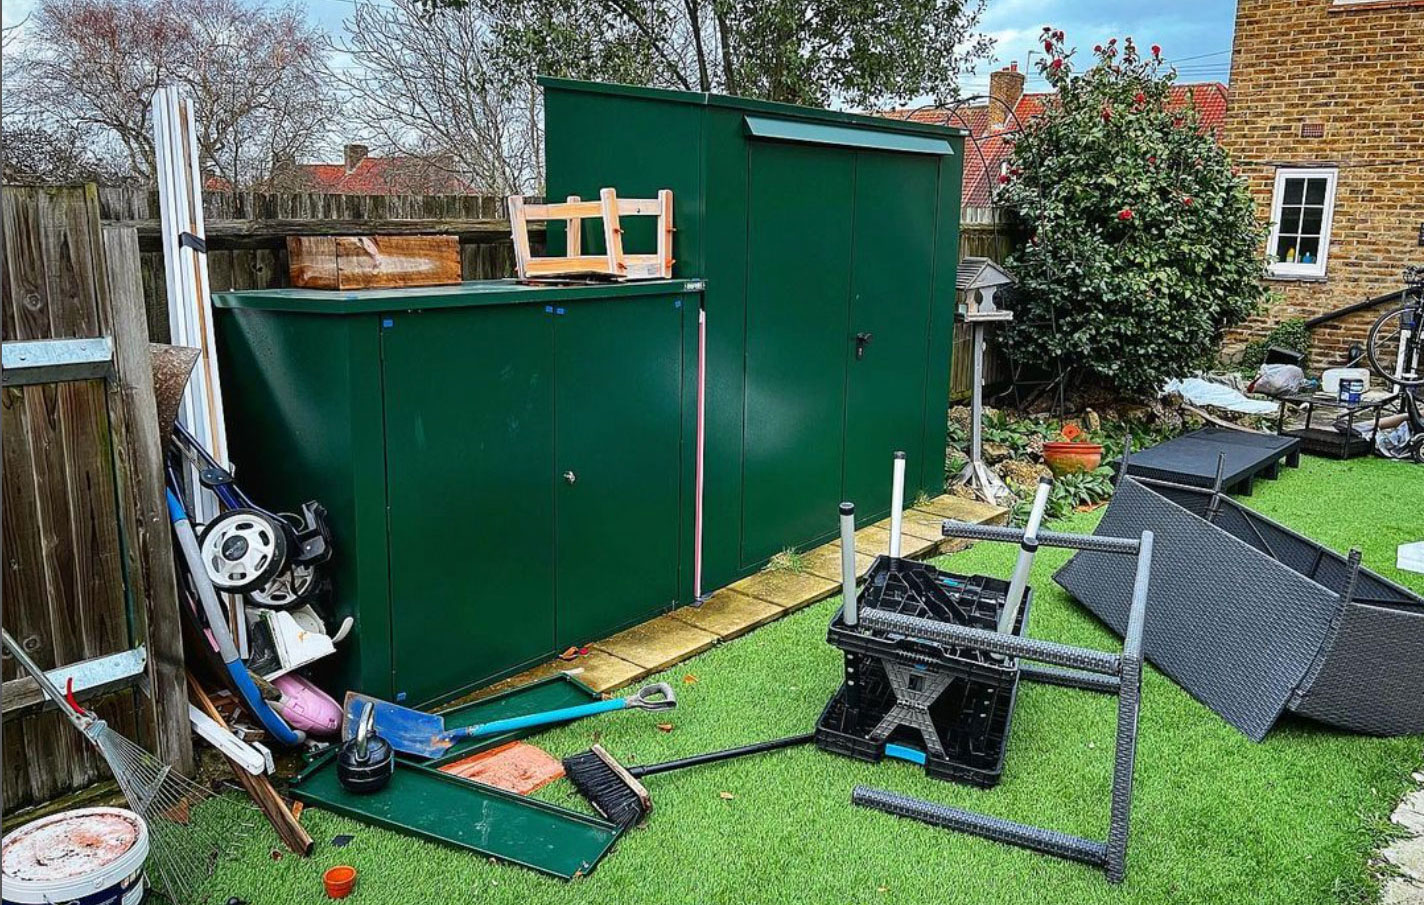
422	734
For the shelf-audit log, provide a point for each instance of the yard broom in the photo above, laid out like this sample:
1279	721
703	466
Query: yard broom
614	790
185	846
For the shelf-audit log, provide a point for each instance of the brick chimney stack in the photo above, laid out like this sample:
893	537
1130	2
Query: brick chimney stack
1005	88
354	154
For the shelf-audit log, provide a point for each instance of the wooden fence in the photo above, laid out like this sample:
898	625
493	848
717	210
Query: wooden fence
88	565
983	233
247	233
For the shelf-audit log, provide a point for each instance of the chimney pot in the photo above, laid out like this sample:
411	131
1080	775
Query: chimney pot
1005	88
353	155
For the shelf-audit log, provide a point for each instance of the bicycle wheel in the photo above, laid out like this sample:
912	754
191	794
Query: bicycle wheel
1396	348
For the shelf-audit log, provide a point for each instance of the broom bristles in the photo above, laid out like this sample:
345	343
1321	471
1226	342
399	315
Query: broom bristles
612	790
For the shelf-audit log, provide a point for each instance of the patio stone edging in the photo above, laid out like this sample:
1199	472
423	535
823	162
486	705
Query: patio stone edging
754	601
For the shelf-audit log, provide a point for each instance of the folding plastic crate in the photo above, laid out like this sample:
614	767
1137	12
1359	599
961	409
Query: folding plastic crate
955	703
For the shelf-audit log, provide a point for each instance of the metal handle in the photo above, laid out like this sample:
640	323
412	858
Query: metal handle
861	341
363	730
570	477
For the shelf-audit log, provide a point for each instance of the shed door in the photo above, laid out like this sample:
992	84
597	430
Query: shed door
895	200
618	404
798	285
469	460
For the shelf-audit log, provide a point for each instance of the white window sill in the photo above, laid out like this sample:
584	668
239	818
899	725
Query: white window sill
1295	278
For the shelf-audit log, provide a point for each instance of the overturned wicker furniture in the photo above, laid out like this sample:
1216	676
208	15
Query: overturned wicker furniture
1253	619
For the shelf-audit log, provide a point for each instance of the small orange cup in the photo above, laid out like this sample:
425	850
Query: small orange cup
339	881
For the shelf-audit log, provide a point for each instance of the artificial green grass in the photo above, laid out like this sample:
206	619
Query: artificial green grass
1216	817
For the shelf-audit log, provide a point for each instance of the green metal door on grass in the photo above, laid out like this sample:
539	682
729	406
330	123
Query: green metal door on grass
895	202
618	423
470	461
798	280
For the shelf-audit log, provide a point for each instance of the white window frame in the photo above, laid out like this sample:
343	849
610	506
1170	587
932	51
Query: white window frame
1296	269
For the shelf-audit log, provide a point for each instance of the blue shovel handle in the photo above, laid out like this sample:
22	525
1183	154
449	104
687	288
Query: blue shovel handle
652	697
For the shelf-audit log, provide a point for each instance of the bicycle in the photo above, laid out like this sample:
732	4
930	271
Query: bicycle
1395	350
1395	347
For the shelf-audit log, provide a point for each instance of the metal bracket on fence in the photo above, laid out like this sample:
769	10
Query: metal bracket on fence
91	678
1077	667
36	361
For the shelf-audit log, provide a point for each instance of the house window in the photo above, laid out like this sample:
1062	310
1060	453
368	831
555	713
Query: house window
1301	211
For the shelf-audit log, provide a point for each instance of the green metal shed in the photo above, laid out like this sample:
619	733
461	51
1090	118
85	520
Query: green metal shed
502	465
511	470
829	243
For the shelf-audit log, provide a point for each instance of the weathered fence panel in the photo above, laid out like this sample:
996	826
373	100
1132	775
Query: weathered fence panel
64	583
247	233
983	233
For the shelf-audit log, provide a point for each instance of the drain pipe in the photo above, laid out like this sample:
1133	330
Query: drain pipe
1027	548
701	447
849	612
897	503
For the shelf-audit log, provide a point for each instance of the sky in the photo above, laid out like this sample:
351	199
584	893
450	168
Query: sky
1194	33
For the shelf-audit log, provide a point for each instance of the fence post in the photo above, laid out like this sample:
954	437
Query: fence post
138	470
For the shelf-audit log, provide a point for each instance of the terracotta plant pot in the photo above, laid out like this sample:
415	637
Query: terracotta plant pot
1069	458
338	881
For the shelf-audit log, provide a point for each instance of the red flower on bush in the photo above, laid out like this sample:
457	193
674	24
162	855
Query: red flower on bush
1152	161
1003	178
1156	50
1187	200
1125	214
1097	48
1139	99
1056	65
1107	114
1048	47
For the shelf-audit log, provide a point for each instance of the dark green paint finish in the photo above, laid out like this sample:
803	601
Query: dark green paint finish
470	460
425	802
843	136
697	145
618	417
895	205
303	404
474	294
798	278
449	552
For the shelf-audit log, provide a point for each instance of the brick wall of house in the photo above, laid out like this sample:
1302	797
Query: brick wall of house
1358	70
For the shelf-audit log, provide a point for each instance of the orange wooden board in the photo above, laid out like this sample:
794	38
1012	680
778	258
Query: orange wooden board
518	767
372	262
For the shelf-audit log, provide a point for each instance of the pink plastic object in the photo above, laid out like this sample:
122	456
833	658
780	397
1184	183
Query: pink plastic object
306	707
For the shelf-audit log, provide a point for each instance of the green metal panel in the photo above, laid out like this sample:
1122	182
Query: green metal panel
798	283
941	332
470	452
843	136
473	294
895	205
618	416
423	801
302	395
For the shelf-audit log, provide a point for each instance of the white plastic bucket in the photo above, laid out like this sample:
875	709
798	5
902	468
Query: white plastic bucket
88	856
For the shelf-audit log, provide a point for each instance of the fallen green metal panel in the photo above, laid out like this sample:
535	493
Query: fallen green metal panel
422	801
844	136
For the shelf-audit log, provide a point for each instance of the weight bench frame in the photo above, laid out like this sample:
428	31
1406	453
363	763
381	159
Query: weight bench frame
1075	667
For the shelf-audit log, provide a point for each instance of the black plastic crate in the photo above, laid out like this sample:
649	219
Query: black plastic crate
975	738
971	715
917	589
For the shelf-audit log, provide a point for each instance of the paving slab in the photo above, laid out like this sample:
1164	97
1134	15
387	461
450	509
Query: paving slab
728	614
954	507
825	561
597	669
658	643
786	589
1408	856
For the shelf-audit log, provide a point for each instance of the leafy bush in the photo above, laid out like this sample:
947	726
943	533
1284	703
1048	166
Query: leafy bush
1288	334
1070	491
1143	241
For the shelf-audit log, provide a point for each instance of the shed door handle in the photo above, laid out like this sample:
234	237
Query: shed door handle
570	477
861	341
